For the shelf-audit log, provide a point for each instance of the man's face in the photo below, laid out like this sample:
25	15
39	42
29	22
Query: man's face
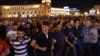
20	34
28	25
87	23
96	25
19	23
15	27
59	27
45	28
11	22
71	22
77	23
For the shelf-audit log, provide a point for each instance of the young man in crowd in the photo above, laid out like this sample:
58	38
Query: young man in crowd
10	25
94	38
86	37
78	33
20	43
70	39
13	32
60	40
43	42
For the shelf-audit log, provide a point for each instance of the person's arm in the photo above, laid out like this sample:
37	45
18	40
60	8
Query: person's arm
52	46
8	35
69	43
28	38
75	38
36	46
53	43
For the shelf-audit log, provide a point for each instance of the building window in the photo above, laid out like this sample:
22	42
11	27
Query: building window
4	13
10	13
27	12
15	8
48	7
34	11
23	8
31	12
19	8
14	12
48	10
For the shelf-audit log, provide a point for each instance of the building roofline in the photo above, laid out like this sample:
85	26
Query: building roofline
18	4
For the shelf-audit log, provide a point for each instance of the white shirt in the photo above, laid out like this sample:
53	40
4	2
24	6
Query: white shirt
12	33
95	35
47	36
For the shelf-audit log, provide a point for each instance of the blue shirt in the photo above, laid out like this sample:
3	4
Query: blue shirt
86	34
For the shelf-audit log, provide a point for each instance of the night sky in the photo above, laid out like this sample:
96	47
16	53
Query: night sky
80	4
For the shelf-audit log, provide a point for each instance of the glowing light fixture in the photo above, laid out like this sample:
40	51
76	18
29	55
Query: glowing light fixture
6	7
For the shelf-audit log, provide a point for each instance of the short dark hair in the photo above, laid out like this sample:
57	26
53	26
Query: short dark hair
56	24
21	29
69	20
14	24
46	23
76	20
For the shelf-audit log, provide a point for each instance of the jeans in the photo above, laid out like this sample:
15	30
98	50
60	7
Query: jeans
47	53
94	49
58	52
87	49
70	51
79	48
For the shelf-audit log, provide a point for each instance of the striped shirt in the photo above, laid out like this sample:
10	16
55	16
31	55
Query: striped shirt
20	47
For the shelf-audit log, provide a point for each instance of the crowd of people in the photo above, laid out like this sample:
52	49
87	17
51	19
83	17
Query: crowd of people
50	36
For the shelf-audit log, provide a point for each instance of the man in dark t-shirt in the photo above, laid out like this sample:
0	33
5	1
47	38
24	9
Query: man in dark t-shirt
60	41
78	33
43	42
70	39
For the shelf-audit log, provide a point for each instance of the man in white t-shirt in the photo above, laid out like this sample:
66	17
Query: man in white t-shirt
12	33
94	39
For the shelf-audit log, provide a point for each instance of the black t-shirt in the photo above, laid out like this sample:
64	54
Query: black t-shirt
68	32
78	32
42	40
59	36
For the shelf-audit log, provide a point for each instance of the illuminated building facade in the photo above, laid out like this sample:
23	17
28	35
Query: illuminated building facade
60	11
97	8
75	12
9	11
14	11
